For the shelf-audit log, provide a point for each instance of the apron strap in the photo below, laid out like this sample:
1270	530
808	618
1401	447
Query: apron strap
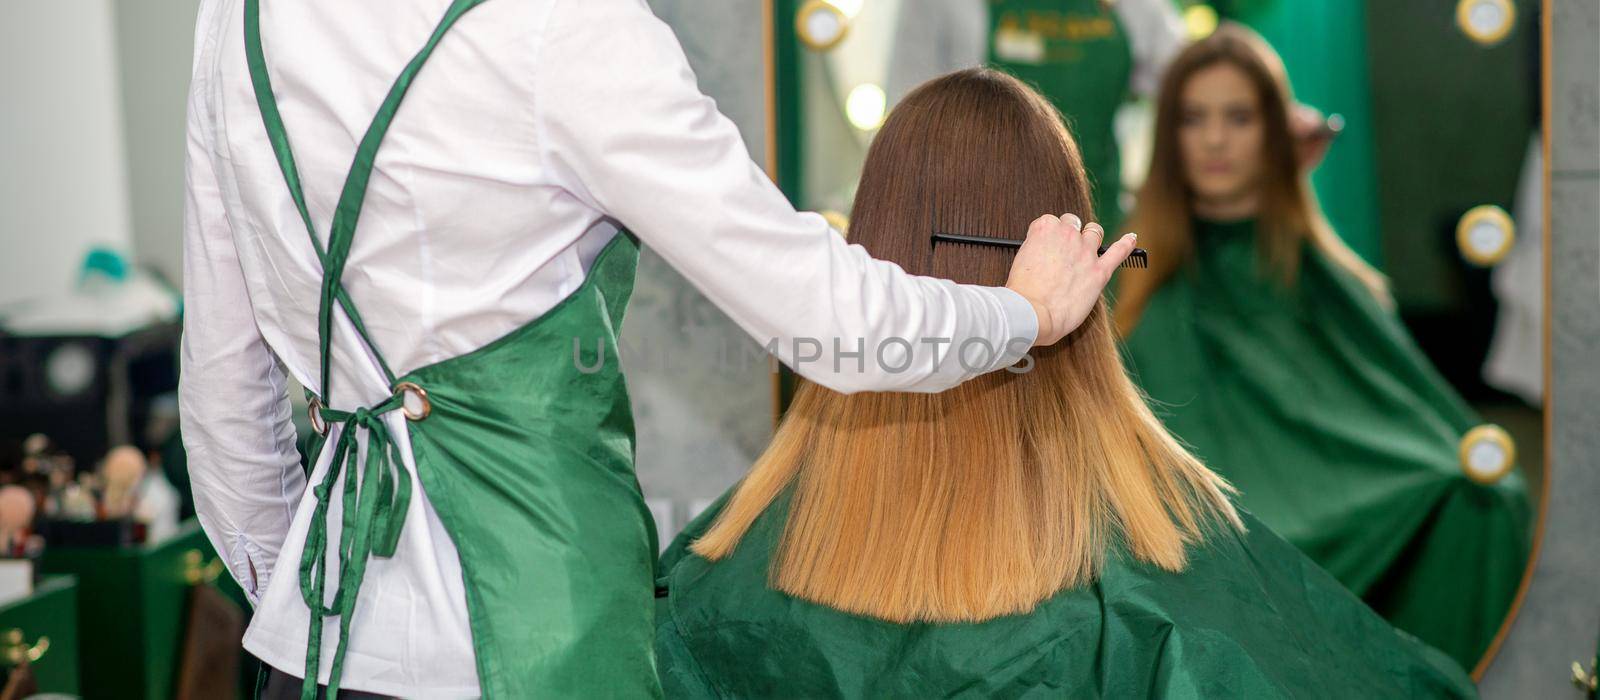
343	231
375	504
374	511
279	136
348	210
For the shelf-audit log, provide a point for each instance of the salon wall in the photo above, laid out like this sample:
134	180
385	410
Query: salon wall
154	43
703	410
1560	617
65	185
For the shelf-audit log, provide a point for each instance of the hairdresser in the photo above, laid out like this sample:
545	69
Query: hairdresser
474	525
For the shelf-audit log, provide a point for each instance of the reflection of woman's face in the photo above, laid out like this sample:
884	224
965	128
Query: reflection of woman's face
1220	134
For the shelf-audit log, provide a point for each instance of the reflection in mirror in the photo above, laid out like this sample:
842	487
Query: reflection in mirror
1359	350
1272	346
845	102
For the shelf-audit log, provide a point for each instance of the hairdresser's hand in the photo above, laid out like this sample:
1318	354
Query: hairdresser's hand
1060	271
1312	138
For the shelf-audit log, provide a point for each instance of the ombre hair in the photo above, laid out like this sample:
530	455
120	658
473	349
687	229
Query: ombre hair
1289	217
991	497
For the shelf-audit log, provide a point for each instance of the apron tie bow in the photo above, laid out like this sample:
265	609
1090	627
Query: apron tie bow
374	513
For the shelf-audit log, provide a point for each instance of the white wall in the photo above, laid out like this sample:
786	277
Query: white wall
155	50
63	169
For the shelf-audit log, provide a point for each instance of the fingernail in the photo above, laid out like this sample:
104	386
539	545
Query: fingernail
1134	236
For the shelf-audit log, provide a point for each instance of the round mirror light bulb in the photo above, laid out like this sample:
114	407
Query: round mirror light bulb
1485	235
1200	21
1486	21
850	8
1487	453
866	106
821	25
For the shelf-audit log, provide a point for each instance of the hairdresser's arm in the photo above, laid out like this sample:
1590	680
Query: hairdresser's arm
233	395
626	131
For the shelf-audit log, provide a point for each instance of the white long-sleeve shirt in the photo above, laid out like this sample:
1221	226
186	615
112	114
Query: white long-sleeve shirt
537	128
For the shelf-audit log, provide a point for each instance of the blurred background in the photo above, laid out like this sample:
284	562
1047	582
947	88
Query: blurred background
1436	177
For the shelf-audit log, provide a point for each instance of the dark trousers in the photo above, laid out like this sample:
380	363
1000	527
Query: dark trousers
282	686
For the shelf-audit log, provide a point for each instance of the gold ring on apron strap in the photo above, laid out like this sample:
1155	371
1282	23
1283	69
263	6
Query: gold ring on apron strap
314	412
406	390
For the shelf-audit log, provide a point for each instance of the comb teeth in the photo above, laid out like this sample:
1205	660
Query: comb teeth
1138	259
977	240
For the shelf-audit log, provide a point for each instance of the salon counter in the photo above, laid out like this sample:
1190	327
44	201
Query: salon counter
132	608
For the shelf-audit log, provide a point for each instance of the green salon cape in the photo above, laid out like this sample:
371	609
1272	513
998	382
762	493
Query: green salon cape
1250	618
1339	434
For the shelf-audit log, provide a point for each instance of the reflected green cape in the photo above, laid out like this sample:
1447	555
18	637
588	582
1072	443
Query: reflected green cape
1250	618
1313	400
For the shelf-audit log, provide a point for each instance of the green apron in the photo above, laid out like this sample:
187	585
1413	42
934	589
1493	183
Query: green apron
1077	55
1250	618
1316	404
525	449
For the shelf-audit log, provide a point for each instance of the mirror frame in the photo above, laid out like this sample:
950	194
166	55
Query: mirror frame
1495	644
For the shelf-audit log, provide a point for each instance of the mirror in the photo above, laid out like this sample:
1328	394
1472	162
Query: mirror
844	105
1390	425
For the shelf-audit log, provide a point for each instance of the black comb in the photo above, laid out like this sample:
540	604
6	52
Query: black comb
1137	259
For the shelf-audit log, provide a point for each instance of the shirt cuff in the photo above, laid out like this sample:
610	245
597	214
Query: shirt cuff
1022	326
246	563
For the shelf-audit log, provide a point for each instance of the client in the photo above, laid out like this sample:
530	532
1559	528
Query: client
1268	347
1032	531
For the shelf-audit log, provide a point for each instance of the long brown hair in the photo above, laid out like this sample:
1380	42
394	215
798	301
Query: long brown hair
1289	216
986	499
